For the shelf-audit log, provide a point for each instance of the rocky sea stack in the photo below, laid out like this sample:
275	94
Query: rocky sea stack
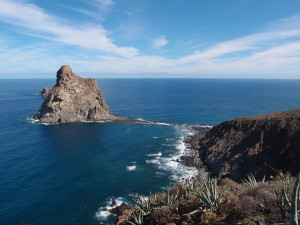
263	145
73	99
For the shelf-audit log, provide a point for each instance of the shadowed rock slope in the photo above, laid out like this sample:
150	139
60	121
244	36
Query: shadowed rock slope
261	144
74	99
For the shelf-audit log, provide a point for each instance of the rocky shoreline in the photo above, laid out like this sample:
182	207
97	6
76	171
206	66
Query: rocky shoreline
190	158
261	145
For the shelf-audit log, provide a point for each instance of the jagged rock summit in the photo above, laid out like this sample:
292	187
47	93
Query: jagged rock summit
73	99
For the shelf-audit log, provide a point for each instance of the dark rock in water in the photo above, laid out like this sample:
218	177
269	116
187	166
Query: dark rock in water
45	92
118	210
113	203
74	99
262	144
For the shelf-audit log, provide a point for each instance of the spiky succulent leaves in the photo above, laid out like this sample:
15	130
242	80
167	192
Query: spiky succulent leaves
285	198
250	180
171	197
138	218
294	204
209	195
143	205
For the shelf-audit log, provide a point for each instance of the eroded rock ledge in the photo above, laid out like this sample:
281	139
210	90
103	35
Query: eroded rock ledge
74	99
262	145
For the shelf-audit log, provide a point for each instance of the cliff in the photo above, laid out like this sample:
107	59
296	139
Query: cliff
261	144
73	99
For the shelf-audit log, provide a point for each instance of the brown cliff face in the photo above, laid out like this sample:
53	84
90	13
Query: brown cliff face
259	144
45	92
73	99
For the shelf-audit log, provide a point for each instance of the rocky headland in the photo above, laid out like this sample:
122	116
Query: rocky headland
74	99
262	144
238	153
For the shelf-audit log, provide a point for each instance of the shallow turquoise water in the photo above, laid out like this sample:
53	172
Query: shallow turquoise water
63	174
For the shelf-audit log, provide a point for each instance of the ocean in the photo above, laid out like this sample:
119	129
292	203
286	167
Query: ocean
65	173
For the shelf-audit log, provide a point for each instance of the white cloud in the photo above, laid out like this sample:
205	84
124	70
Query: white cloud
256	42
273	53
104	4
36	22
159	42
92	14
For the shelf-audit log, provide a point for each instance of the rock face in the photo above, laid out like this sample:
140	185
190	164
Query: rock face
261	144
73	99
45	92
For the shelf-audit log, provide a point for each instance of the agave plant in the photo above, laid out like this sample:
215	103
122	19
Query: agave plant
143	205
185	191
137	216
250	180
294	203
209	194
171	197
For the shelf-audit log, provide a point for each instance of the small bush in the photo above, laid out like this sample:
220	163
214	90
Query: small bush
259	201
209	217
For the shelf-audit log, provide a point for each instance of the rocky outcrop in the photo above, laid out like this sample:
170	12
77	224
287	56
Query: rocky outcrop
262	144
45	92
123	212
74	99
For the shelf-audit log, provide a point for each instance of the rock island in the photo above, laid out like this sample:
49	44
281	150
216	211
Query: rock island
74	99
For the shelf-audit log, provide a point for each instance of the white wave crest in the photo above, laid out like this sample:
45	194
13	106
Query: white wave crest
131	168
173	162
102	214
153	161
157	154
163	124
206	126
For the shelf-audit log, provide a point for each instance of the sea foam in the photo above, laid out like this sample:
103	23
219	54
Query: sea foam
153	161
172	163
102	214
131	168
157	154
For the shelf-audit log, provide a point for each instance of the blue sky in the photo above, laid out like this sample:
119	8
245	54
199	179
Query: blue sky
151	38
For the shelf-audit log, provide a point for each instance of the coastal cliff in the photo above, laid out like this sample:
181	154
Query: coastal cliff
262	145
73	99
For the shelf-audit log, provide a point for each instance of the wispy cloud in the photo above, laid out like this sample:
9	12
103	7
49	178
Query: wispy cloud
104	4
273	52
92	14
35	21
159	42
256	43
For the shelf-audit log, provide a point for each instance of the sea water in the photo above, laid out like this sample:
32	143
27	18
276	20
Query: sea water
65	173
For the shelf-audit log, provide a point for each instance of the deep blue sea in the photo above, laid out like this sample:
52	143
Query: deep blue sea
63	174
